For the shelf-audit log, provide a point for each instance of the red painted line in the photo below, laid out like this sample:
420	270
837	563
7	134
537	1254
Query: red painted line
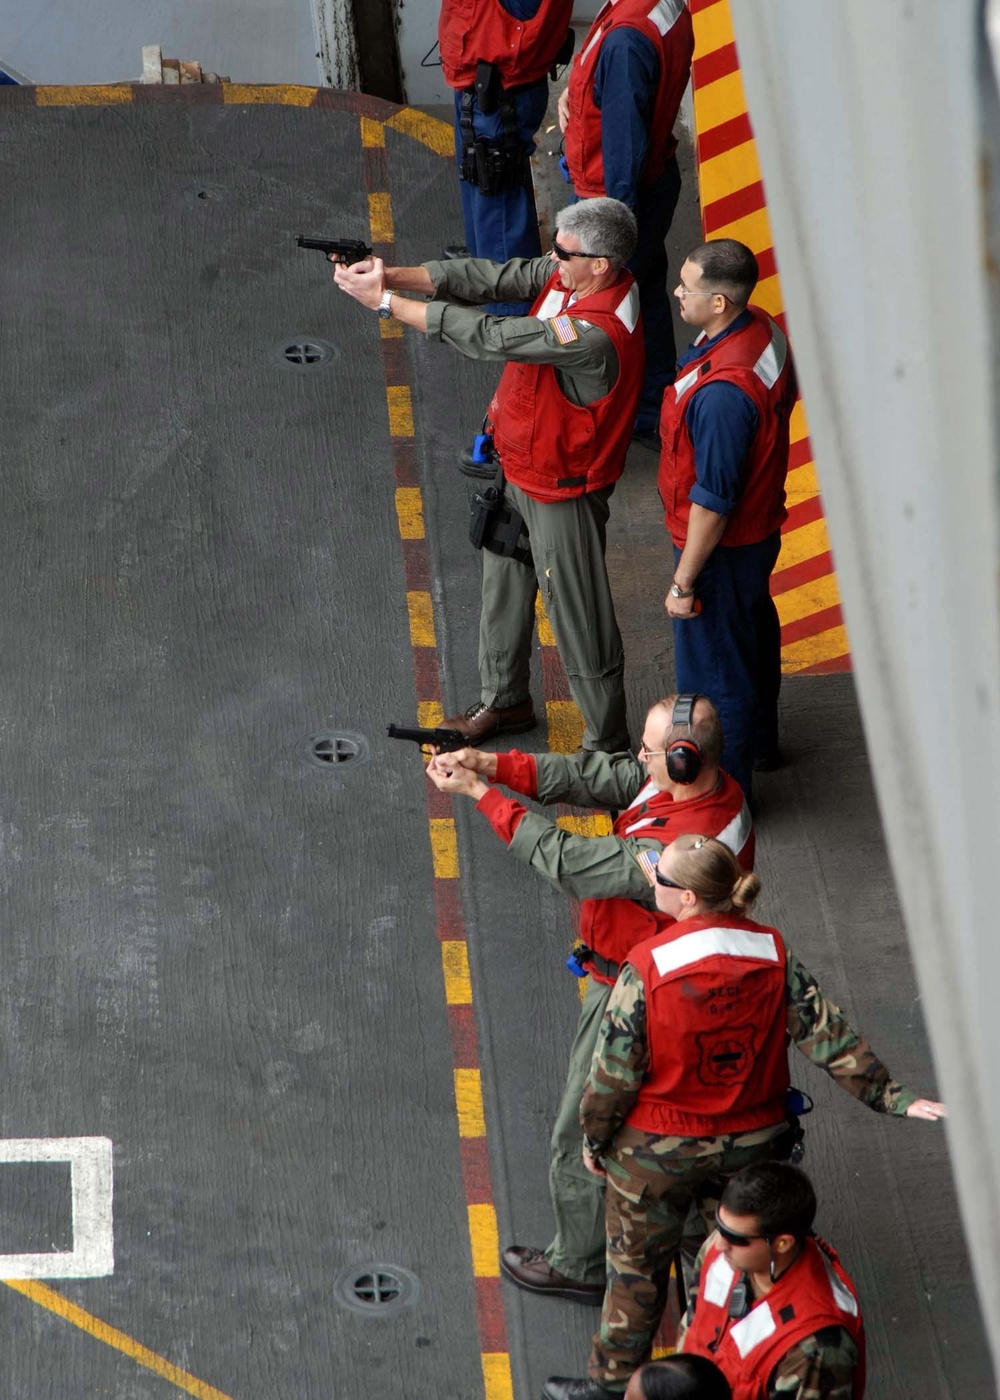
404	459
812	625
439	807
800	453
425	664
836	665
710	67
489	1308
376	167
555	683
464	1045
803	513
737	131
449	917
734	206
476	1171
807	571
767	264
415	567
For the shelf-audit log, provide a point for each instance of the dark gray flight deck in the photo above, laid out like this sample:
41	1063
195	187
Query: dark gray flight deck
221	955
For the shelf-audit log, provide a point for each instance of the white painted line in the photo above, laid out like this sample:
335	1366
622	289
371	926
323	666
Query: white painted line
90	1160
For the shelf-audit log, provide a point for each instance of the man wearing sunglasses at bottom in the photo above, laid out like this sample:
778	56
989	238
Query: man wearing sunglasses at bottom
561	421
771	1304
688	1085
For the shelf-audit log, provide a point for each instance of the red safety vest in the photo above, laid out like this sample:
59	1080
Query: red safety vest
717	1028
756	359
481	31
668	26
551	448
612	927
814	1293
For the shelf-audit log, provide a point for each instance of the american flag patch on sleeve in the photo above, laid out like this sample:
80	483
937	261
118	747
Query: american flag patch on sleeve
564	328
647	864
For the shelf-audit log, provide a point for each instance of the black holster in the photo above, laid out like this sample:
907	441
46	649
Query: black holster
492	165
496	525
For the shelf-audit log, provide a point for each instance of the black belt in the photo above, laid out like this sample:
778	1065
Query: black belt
605	968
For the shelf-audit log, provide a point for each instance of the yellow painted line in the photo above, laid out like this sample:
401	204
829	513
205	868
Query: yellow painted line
801	484
753	229
497	1381
390	329
767	293
713	29
380	218
546	636
731	170
810	651
596	825
484	1240
96	96
807	599
421	612
429	714
803	543
798	428
291	94
431	131
372	133
719	102
565	726
469	1103
444	848
400	404
410	512
48	1298
457	977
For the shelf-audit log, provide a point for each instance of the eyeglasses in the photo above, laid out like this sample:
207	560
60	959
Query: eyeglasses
564	254
668	884
733	1237
642	753
681	291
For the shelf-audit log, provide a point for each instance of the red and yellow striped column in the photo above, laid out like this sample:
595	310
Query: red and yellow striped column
733	205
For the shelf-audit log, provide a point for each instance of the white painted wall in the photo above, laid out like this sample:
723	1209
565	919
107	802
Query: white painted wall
96	41
887	226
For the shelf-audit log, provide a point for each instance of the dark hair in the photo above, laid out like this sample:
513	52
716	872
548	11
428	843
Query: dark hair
683	1377
706	728
728	267
779	1195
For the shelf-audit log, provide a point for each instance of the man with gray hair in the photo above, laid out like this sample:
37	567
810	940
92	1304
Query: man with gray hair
561	422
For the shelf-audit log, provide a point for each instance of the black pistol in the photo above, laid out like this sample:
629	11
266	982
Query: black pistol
447	740
348	250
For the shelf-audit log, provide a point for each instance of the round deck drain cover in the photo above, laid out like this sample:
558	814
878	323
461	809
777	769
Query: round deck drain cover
334	749
376	1289
302	352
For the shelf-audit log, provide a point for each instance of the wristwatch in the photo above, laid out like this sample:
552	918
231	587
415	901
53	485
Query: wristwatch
676	591
384	307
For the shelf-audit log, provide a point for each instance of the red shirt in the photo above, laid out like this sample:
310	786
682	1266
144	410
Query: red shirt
475	31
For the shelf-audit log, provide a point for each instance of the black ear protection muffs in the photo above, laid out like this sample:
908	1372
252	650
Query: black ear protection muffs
683	755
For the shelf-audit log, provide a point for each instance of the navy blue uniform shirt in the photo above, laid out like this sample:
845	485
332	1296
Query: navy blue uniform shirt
722	421
625	81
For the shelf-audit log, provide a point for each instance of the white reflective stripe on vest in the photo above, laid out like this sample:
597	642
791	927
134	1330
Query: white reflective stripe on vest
643	794
737	833
842	1295
756	1327
713	942
682	385
666	14
718	1281
638	826
627	309
772	362
552	305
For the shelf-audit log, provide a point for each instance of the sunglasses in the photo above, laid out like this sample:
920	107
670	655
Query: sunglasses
667	884
564	254
733	1237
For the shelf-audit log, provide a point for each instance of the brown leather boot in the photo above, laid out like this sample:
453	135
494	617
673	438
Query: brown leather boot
530	1269
480	722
